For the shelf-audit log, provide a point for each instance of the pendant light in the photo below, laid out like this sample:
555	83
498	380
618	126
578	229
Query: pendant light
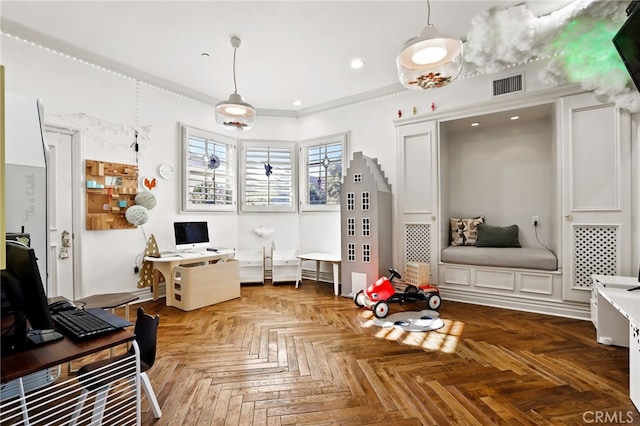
431	60
235	113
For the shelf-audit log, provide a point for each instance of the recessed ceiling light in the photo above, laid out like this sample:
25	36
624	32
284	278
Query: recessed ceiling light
515	117
357	63
475	124
204	55
296	103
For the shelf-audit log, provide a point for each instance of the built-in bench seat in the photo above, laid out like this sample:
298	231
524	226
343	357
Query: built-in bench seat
502	257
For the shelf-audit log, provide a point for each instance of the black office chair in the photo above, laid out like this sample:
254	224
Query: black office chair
99	375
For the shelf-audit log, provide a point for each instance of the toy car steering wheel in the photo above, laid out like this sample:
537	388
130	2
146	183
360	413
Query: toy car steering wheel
394	273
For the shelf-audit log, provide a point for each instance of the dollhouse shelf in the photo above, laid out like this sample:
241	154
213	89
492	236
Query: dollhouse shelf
110	189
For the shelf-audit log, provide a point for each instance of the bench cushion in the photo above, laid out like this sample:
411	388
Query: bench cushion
522	257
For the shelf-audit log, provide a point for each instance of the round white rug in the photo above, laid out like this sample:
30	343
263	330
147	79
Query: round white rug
426	320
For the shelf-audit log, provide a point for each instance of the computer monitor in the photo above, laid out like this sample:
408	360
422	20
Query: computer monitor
22	285
191	235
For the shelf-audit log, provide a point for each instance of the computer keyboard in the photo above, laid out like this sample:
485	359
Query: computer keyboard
78	324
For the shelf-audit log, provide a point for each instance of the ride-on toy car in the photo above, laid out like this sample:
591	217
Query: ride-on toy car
379	294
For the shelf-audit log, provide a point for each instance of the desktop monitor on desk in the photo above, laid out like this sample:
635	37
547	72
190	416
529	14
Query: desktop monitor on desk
22	285
192	236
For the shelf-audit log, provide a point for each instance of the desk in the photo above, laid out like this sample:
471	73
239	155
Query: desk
17	365
20	364
165	265
619	310
334	259
108	301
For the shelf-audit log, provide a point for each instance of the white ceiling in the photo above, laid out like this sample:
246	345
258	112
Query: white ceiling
290	50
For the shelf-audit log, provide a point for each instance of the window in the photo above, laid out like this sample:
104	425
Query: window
366	227
351	252
268	171
351	201
366	204
209	171
351	226
366	253
322	165
357	177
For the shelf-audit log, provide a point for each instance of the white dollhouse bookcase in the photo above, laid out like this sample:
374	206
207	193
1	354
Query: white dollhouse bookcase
366	222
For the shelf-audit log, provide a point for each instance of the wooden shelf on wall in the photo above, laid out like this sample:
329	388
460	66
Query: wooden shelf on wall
111	189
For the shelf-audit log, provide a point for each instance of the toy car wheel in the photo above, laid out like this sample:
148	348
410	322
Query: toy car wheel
434	301
411	289
360	298
380	309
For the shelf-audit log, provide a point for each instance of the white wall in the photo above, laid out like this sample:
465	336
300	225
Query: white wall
69	87
104	108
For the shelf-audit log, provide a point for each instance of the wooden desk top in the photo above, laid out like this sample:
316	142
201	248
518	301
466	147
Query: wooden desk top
19	364
191	256
106	301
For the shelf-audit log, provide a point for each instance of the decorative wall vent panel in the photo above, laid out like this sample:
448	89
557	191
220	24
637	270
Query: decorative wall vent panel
417	243
512	84
595	253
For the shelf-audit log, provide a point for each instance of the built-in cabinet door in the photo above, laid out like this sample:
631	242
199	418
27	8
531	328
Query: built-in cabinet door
417	196
596	192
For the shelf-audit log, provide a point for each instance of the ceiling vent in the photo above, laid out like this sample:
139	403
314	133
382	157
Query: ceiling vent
511	84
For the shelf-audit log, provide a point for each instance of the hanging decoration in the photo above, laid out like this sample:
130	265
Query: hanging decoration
137	215
149	182
212	161
135	146
100	132
146	199
268	169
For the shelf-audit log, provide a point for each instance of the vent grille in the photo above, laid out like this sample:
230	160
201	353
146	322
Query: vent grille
595	253
418	243
507	85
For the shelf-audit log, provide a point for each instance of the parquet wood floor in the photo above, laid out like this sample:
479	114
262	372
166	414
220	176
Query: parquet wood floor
285	356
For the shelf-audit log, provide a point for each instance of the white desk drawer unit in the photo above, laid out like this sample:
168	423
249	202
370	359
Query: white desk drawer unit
284	265
617	319
607	281
251	265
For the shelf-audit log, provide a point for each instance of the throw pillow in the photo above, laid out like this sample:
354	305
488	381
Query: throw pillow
463	231
496	236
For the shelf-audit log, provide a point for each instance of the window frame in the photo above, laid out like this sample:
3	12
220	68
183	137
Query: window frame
186	205
304	147
250	143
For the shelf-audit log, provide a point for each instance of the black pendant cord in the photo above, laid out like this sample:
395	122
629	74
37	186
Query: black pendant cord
136	147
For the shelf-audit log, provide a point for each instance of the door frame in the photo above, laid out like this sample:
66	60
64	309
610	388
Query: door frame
77	203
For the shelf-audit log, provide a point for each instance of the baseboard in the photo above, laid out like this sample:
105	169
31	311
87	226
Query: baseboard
546	307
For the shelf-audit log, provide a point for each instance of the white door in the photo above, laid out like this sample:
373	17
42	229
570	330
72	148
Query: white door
417	199
596	193
60	168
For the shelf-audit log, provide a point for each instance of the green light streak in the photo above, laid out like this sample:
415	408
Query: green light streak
588	50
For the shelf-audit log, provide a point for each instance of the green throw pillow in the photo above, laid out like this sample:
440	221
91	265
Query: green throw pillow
497	236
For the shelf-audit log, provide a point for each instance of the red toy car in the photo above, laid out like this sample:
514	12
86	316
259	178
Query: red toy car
379	294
